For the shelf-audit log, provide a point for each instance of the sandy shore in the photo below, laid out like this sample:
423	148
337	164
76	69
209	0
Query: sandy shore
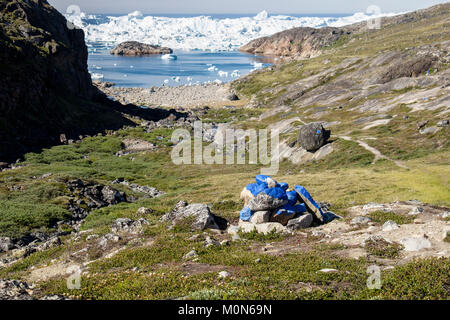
182	96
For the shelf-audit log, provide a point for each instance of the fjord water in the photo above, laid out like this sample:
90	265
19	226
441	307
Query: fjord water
206	45
191	67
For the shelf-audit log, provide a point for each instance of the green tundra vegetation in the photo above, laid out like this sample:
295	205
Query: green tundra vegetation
153	266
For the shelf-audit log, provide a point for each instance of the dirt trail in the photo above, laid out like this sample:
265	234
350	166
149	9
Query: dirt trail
378	155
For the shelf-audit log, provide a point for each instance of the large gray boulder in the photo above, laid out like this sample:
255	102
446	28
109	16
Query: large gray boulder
202	216
313	136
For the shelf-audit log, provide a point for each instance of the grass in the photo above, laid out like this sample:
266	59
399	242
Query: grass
383	249
383	216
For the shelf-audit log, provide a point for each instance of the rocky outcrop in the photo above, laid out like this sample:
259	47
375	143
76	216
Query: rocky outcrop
298	42
201	215
305	42
134	48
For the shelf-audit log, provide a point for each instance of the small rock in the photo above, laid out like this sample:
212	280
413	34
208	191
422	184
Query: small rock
302	222
258	260
233	229
418	221
235	237
224	274
445	215
194	237
225	243
209	242
260	217
144	211
415	243
328	270
190	255
390	226
6	244
422	124
443	123
415	211
360	220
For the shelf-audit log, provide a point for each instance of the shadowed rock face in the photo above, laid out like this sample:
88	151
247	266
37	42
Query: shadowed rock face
134	48
46	89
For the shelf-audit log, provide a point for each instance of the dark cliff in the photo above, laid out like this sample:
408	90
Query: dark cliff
45	86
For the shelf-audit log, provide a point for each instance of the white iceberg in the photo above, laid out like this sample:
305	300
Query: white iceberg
169	57
198	33
223	74
97	76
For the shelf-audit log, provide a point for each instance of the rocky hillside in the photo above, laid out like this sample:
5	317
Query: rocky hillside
46	88
307	42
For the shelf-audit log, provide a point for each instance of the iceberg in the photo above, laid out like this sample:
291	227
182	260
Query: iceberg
169	57
97	76
200	32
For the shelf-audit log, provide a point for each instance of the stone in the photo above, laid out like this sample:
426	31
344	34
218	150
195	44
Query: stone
390	226
232	97
225	243
260	217
6	244
443	123
429	130
201	214
263	228
190	255
258	260
210	242
360	220
422	124
15	290
415	211
233	230
109	237
302	222
129	226
134	48
415	243
263	202
144	211
313	136
328	270
445	214
223	274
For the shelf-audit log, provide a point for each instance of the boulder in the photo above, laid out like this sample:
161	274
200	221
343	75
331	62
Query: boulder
360	220
263	228
144	211
15	290
313	136
302	222
201	213
134	48
415	243
260	217
128	226
6	244
389	226
263	202
443	123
